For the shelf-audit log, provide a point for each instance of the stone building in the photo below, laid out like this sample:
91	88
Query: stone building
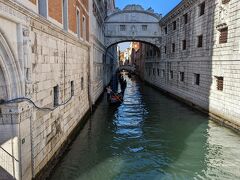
199	57
103	61
121	59
45	67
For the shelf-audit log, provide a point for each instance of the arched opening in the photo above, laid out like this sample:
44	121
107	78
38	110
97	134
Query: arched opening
133	57
10	74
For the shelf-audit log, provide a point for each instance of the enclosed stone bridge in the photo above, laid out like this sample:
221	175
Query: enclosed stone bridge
133	23
129	68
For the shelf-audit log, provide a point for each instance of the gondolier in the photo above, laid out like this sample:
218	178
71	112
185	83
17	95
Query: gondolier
109	92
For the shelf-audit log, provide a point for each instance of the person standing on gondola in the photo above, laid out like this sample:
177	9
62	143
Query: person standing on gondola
109	92
123	86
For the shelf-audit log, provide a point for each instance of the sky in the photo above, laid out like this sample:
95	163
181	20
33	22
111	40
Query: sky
159	6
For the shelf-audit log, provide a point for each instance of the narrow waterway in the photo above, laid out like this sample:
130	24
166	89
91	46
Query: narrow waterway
150	136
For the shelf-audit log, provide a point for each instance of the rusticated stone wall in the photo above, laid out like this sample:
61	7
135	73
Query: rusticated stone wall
36	56
210	68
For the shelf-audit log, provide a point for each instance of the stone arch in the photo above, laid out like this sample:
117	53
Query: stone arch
10	74
145	41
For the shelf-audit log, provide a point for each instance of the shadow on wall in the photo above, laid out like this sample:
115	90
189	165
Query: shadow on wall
9	162
185	67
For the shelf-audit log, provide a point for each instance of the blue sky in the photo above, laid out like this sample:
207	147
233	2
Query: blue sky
159	6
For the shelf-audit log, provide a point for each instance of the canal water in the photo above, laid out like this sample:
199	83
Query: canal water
150	136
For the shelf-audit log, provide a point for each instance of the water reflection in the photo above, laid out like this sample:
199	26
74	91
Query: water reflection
150	136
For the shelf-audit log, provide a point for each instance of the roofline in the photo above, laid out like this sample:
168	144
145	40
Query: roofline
131	11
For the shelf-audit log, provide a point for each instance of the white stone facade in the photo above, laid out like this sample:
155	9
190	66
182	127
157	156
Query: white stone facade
35	56
103	60
212	60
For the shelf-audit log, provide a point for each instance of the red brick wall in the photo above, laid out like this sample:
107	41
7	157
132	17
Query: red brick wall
85	3
55	9
55	12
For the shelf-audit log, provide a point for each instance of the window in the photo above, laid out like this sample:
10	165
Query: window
84	28
144	27
223	38
162	73
185	18
165	29
184	44
158	72
82	83
55	96
174	25
219	80
42	7
65	14
72	88
201	9
122	28
200	41
165	49
225	1
181	76
173	47
154	71
78	23
150	53
197	79
171	74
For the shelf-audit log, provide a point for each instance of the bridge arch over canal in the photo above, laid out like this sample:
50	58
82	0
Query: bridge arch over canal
133	23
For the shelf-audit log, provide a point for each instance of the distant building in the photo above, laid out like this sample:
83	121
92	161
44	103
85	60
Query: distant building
121	58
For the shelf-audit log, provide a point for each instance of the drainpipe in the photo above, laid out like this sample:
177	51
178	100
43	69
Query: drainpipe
89	80
21	59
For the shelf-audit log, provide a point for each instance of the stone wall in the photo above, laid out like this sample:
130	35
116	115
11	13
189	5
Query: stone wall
36	56
103	60
202	66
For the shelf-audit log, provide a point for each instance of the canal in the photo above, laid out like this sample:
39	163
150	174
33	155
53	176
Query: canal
150	136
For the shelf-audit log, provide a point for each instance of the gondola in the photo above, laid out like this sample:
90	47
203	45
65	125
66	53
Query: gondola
116	98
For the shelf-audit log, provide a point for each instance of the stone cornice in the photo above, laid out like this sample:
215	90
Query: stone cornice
132	11
29	18
176	11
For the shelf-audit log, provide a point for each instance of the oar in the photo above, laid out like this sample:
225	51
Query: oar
117	96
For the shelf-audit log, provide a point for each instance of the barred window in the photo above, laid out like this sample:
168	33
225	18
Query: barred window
202	9
171	74
154	71
181	76
225	1
200	41
185	18
173	47
223	38
82	83
55	96
197	79
162	73
219	80
174	25
122	28
166	30
72	88
144	27
165	49
184	44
